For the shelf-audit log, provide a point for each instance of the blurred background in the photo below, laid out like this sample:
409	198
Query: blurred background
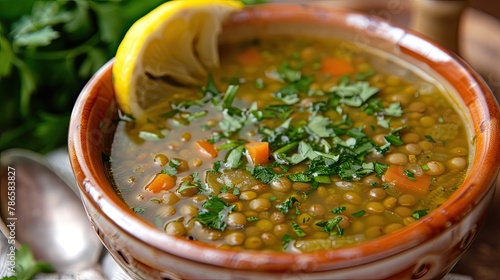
50	49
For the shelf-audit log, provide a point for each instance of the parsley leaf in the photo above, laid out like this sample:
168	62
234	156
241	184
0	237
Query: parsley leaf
380	168
233	159
420	213
27	266
298	230
273	112
287	205
320	126
394	139
354	94
289	94
286	73
138	209
194	182
394	110
409	174
330	225
339	210
265	174
214	213
285	240
210	88
229	95
359	214
300	177
171	169
259	83
232	121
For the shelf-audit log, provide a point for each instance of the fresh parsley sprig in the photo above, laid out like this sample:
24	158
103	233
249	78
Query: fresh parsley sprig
26	265
287	205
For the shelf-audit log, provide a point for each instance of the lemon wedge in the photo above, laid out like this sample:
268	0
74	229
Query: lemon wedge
168	52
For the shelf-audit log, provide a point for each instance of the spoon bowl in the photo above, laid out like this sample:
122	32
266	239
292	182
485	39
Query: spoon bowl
48	214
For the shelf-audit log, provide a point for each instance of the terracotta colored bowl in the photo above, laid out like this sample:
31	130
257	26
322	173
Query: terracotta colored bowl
426	249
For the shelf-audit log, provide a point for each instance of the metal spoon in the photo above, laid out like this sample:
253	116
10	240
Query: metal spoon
48	215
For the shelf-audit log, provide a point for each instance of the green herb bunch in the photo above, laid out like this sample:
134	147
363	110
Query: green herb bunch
48	51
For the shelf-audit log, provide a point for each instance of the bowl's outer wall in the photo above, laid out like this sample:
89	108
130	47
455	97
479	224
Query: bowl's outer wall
426	249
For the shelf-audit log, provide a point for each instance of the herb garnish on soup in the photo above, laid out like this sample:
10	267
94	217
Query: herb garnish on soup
296	144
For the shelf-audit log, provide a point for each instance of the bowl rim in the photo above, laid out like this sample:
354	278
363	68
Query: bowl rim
484	110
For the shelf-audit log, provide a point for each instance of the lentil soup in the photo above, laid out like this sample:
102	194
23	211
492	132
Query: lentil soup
295	144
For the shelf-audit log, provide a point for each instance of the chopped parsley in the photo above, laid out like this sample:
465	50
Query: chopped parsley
409	174
264	174
214	213
420	213
150	136
429	138
259	83
298	230
380	168
236	191
394	110
138	209
354	94
394	139
230	189
287	204
296	83
359	214
195	182
339	210
332	226
216	166
285	241
227	100
320	126
171	168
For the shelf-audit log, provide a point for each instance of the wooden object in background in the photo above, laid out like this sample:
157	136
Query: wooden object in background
438	20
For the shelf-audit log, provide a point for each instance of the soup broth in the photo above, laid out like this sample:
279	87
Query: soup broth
295	144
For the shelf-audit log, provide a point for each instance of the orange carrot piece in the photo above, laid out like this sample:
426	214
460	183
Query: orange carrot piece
419	187
206	148
161	182
336	66
258	152
249	56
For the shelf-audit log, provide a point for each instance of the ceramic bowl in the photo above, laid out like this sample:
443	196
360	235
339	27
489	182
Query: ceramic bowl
426	249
